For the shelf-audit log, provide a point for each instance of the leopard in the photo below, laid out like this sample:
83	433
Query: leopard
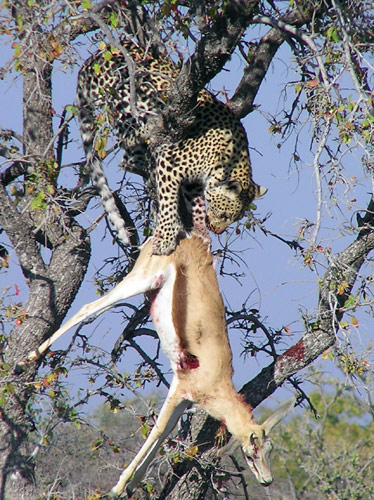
121	89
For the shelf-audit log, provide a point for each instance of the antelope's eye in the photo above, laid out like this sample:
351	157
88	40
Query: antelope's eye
253	439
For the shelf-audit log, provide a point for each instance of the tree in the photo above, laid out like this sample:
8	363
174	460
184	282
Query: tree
329	92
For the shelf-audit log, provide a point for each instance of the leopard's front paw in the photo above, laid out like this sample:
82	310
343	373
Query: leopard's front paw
165	240
163	247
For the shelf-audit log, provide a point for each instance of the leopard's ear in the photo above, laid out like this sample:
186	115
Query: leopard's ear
260	191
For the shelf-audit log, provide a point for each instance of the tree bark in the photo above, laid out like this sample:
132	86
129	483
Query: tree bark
52	289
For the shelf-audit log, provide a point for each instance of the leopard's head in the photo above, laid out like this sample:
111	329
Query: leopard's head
227	202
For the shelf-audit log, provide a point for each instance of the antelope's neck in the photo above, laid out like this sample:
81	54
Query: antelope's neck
231	409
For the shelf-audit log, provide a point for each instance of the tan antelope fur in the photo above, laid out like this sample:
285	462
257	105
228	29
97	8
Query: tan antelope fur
189	316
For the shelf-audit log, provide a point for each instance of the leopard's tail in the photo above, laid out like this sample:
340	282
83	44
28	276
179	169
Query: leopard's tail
107	198
86	120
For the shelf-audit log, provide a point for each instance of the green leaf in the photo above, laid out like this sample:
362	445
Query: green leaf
108	55
97	69
38	202
114	21
332	34
145	430
19	22
72	109
86	4
17	49
350	302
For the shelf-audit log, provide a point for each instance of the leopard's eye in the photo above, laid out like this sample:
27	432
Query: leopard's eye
234	186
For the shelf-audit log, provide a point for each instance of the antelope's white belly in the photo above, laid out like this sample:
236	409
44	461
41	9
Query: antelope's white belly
161	312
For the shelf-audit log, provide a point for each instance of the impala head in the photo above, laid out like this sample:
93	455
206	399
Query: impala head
257	445
257	452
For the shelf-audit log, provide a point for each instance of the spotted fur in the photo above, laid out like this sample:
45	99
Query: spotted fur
214	155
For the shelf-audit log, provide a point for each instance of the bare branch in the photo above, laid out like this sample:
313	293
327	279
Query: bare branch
316	164
151	362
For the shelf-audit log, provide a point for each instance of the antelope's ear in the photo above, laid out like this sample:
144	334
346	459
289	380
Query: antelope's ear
277	416
228	448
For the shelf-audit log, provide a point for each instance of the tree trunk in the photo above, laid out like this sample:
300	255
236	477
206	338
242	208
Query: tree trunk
52	287
51	293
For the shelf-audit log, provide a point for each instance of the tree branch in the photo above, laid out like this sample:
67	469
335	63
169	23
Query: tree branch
14	171
261	57
212	51
345	267
21	237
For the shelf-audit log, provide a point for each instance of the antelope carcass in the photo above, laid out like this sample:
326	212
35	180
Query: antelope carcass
189	316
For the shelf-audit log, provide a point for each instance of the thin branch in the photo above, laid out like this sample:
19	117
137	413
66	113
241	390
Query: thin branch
139	318
62	134
128	59
241	476
151	362
134	241
303	37
347	47
67	32
316	164
79	200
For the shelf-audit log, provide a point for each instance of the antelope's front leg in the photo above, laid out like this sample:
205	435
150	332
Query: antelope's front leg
160	431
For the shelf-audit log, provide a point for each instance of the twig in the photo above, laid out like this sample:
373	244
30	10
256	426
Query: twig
128	60
152	363
303	37
241	475
347	46
317	156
